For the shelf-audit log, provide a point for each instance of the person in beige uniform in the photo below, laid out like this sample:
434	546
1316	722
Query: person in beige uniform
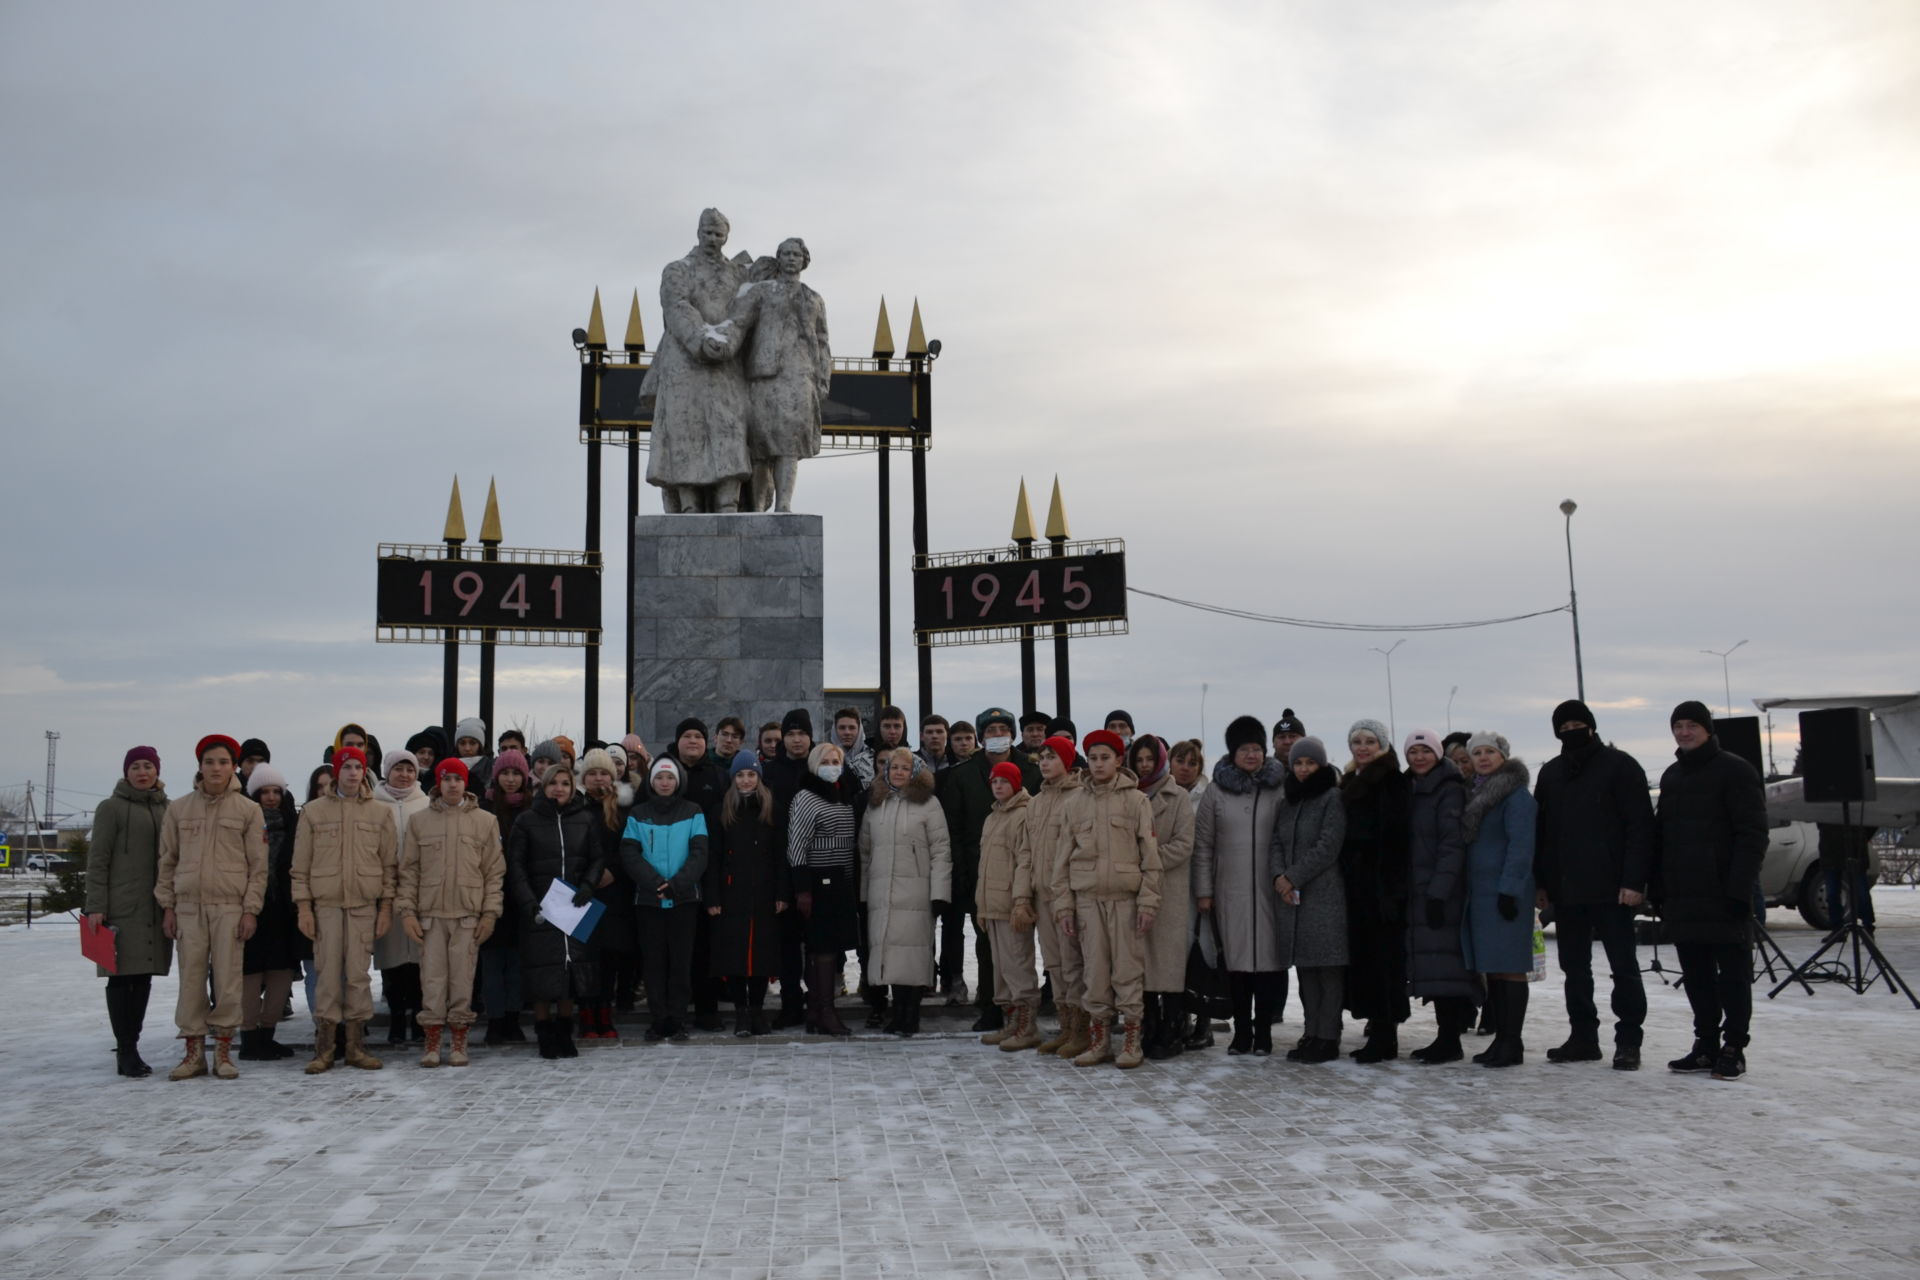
1003	897
1105	893
450	881
1172	936
343	884
212	882
1059	952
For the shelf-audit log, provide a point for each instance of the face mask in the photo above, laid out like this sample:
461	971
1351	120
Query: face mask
829	773
998	745
1574	737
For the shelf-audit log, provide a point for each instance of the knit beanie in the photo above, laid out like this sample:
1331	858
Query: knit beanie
395	757
1062	747
1061	727
1694	711
265	775
798	718
634	745
1373	727
598	759
453	765
1288	723
511	759
472	727
1105	738
139	753
1425	738
1245	731
343	754
618	754
664	764
1309	749
430	738
1488	738
1120	715
1573	709
1040	718
548	751
566	744
256	747
1009	772
743	761
694	723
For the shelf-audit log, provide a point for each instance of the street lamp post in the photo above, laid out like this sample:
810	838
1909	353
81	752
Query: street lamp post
1393	728
1567	509
1725	679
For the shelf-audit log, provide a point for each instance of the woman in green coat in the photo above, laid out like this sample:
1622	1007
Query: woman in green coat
123	862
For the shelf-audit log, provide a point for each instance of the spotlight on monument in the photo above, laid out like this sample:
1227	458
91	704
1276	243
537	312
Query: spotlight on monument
579	339
933	349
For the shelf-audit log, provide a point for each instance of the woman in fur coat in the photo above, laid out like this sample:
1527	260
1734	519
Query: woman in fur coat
1373	859
1499	824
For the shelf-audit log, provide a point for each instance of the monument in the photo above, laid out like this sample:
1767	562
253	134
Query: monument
728	598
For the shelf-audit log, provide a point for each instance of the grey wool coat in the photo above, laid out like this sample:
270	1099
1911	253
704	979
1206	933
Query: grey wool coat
1311	827
1232	845
906	864
123	861
1168	941
1437	868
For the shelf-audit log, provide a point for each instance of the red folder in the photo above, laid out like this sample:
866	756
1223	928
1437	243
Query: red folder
98	945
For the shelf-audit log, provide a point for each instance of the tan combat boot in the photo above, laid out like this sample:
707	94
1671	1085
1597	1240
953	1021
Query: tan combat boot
1022	1035
1099	1043
457	1056
193	1062
1079	1036
1052	1043
357	1055
430	1056
322	1047
223	1067
1006	1027
1131	1054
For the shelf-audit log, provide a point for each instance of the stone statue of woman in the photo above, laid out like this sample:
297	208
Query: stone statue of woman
788	368
699	456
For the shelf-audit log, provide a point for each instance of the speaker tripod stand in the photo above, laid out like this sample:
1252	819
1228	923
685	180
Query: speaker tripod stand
1852	932
1767	957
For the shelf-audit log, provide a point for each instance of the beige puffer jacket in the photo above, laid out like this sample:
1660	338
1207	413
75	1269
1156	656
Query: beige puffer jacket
453	867
213	852
1112	854
344	853
1046	828
1167	942
906	864
1006	859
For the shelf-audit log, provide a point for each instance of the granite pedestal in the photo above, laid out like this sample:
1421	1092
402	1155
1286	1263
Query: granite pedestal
727	621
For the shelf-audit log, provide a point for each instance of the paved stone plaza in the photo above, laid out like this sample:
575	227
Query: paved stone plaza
938	1157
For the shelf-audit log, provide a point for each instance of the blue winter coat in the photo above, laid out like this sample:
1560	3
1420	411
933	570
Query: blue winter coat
1499	826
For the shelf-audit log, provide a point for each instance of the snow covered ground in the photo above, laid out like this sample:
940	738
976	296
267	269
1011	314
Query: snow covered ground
939	1157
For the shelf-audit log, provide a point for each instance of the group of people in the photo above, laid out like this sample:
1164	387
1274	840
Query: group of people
1105	871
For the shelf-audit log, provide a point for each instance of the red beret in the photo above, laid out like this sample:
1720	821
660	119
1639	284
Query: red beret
452	764
345	754
1009	772
1104	738
1063	747
217	740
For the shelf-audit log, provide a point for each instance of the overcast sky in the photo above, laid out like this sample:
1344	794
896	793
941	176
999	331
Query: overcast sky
1323	308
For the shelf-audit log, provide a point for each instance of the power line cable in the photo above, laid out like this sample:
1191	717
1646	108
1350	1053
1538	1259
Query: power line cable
1317	624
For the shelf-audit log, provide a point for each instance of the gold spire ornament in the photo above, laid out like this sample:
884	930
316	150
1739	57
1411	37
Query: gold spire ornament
596	326
916	334
456	530
636	333
883	335
1022	515
1057	514
490	522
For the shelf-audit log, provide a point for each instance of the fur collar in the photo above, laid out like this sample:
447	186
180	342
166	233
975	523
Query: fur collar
1489	793
919	788
1360	783
1235	781
1318	783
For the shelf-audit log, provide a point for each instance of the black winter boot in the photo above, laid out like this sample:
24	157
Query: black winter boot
1264	1015
126	1007
1383	1042
249	1046
1240	988
1490	1014
1200	1036
543	1032
1508	1049
1698	1058
1453	1013
562	1032
742	1019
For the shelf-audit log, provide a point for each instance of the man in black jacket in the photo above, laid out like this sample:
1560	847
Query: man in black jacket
703	782
965	800
1592	857
783	777
1712	829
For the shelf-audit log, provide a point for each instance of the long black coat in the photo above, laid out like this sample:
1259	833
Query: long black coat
547	841
1712	828
277	942
1373	861
1437	868
1596	826
746	874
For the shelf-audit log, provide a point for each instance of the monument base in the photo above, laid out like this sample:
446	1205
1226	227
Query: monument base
728	620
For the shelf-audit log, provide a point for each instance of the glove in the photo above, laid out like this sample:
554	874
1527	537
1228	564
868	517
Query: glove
1437	913
1509	906
582	896
412	925
307	928
483	930
1023	916
804	901
941	906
